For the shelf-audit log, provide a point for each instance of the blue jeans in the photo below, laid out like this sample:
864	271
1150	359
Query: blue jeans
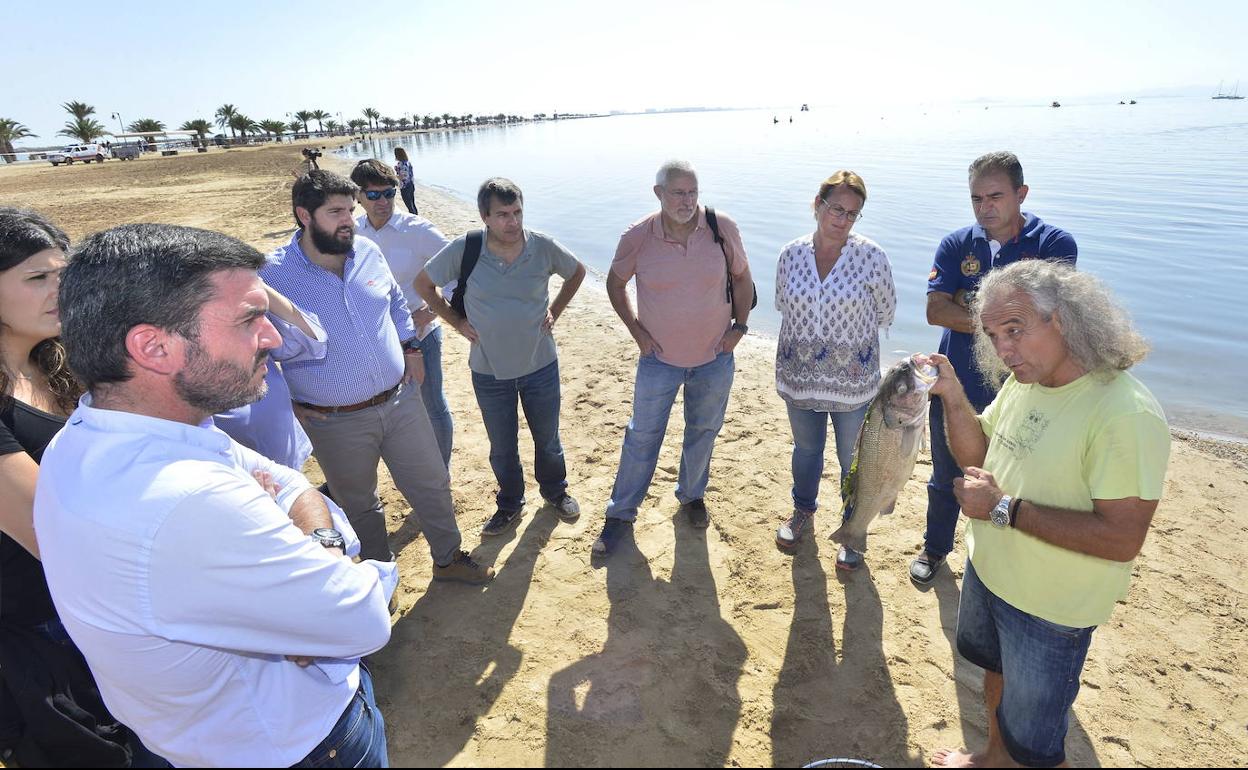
706	399
810	436
359	737
538	394
942	506
1040	663
431	393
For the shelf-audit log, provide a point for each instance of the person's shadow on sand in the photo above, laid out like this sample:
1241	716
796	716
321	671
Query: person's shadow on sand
663	690
449	657
828	705
1080	751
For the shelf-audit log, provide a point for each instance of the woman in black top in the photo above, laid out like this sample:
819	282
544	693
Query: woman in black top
38	662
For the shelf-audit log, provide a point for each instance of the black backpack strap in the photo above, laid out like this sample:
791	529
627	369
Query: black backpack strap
712	222
472	252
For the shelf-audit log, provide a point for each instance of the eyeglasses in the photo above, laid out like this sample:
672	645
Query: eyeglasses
682	194
373	195
839	213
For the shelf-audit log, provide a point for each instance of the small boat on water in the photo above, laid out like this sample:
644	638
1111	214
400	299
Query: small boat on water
1224	95
1056	104
805	108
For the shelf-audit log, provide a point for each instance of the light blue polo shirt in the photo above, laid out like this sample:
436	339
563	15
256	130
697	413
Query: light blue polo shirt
506	303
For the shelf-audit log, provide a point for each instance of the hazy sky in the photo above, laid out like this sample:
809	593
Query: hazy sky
173	63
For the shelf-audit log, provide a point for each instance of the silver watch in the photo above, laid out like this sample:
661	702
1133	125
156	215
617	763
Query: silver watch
328	537
1001	514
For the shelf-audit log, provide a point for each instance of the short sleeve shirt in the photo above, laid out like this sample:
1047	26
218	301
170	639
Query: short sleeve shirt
507	303
1092	439
682	290
962	260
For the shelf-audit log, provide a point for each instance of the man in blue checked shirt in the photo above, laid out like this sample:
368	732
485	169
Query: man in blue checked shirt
362	403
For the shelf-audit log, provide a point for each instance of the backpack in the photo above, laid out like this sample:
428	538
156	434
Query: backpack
472	252
713	222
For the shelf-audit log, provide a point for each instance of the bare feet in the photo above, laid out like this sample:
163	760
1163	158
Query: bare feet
952	758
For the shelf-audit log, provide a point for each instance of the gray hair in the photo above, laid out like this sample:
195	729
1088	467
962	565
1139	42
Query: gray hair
674	168
1000	162
1097	330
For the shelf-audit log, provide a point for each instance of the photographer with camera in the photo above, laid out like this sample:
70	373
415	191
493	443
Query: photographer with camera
308	164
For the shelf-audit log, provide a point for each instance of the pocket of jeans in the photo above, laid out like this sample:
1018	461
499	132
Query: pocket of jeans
335	752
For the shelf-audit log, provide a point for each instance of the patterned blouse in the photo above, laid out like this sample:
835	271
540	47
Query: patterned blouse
404	169
828	355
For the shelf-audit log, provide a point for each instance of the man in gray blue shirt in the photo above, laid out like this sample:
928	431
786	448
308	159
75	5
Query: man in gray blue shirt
510	320
359	404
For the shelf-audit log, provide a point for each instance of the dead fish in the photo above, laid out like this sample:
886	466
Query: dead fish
888	445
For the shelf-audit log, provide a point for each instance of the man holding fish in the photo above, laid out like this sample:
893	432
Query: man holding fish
1063	472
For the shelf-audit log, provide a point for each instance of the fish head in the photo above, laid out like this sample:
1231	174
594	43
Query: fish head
903	392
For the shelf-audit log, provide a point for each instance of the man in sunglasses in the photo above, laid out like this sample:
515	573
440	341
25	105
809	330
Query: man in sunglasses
357	404
407	242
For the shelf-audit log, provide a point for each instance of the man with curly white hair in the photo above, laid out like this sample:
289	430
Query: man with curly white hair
1062	474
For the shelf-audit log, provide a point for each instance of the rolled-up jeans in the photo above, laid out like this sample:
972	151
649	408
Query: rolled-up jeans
348	446
706	399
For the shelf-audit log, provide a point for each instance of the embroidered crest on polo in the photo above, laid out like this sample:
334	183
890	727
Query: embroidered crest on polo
970	266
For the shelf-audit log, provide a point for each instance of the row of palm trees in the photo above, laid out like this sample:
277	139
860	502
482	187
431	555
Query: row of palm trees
85	128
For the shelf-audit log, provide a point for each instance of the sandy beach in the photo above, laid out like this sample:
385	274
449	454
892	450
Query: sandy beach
712	648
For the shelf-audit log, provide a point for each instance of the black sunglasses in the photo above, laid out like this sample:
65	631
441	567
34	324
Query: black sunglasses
373	195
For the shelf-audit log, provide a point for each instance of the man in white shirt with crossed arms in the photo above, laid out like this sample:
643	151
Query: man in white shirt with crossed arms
219	615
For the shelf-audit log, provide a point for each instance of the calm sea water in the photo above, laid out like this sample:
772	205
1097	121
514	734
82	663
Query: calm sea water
1155	193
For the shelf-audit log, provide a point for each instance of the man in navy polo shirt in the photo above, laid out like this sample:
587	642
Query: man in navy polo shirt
1004	233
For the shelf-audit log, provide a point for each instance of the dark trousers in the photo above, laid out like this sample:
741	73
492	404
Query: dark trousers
409	198
538	394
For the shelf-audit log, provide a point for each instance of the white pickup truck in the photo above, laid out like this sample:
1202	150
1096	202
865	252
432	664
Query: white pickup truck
83	152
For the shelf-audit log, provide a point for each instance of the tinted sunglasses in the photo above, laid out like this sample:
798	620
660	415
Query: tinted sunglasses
373	195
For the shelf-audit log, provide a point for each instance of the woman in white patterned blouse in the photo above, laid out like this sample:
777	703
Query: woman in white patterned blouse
834	291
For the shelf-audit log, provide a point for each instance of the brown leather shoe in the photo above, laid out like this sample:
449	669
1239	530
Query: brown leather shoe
463	569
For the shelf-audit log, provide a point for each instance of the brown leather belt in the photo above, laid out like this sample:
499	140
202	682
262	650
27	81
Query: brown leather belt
380	398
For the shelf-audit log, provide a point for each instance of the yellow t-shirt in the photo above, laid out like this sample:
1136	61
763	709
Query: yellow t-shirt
1065	447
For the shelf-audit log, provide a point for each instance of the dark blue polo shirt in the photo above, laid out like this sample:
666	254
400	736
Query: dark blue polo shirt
961	261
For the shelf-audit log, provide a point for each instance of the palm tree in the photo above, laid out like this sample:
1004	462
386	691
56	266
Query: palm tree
10	132
295	126
356	124
318	116
372	116
333	126
225	113
273	127
147	125
404	122
83	129
79	110
304	116
388	123
200	126
243	124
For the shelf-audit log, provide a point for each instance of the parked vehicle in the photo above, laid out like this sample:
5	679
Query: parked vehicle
128	151
83	152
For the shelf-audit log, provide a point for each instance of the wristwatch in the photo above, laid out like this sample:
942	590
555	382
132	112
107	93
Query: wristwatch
328	537
741	328
1000	515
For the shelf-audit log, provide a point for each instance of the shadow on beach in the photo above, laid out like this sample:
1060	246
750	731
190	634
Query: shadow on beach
664	689
450	657
836	705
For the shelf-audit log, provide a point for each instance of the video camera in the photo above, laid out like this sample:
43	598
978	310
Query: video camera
311	153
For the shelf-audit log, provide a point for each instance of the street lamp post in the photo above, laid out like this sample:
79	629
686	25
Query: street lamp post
117	115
